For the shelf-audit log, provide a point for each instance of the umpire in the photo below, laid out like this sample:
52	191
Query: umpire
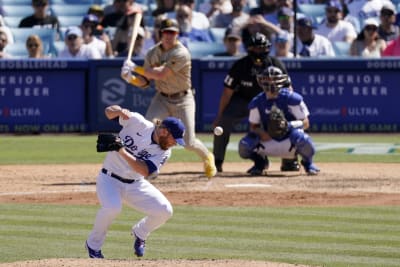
240	86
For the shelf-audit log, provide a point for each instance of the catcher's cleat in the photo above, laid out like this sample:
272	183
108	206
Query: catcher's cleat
139	246
209	166
94	254
310	168
255	171
290	165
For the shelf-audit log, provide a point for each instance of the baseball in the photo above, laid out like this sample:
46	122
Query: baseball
218	130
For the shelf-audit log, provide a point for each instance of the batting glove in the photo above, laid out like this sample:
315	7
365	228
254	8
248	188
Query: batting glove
126	73
128	63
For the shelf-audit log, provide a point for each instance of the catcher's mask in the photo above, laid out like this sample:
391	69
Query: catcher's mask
272	79
258	48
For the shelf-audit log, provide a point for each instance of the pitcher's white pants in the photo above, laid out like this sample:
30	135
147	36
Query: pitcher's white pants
140	195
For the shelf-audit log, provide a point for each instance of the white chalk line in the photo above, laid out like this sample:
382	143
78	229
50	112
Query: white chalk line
47	192
248	185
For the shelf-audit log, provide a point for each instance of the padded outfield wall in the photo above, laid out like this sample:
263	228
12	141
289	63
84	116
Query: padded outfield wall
52	96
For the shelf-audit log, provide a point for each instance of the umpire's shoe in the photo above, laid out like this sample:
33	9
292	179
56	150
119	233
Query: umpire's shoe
94	254
290	165
139	246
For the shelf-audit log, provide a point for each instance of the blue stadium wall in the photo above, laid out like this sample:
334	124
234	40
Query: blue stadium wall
53	96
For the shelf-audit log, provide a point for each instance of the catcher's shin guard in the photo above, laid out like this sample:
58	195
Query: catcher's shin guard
303	144
247	145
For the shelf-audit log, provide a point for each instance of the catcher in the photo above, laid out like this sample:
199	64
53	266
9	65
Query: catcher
138	152
278	117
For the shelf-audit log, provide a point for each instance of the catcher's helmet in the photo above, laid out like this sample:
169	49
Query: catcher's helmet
272	79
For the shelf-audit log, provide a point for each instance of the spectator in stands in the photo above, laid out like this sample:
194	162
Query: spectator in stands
75	47
393	48
124	29
368	43
285	4
3	44
199	20
268	9
285	19
283	45
236	18
257	23
360	10
98	11
187	29
138	48
309	43
7	30
164	6
121	7
34	46
40	17
387	29
334	27
232	42
94	37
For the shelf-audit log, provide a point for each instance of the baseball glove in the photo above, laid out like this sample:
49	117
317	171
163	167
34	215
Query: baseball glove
278	126
108	142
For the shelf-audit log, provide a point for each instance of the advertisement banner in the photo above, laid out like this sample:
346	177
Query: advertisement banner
342	95
42	96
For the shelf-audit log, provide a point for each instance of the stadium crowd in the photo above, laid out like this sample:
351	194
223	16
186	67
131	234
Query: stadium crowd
101	28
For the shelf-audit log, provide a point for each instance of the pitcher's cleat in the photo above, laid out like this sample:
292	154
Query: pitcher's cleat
94	254
209	166
139	246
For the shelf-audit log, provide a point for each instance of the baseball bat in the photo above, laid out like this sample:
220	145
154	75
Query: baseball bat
135	28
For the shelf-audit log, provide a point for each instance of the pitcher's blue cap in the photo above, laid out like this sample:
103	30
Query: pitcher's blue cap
176	128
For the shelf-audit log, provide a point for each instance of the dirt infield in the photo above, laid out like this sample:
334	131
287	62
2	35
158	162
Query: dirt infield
339	184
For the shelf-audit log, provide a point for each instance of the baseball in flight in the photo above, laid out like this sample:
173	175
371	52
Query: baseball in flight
218	130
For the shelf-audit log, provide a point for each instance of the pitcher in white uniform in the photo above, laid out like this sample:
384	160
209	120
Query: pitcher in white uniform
147	146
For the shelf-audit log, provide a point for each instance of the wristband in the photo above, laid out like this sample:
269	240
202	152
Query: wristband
297	124
139	70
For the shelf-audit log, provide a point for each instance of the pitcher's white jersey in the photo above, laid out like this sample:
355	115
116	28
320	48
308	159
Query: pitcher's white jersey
137	137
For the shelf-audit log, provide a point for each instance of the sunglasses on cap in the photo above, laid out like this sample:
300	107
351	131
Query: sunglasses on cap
386	12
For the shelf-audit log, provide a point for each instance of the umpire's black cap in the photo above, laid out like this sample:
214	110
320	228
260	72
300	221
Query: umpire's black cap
169	25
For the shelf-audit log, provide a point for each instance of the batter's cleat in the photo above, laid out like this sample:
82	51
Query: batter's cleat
139	246
310	168
290	165
209	166
94	254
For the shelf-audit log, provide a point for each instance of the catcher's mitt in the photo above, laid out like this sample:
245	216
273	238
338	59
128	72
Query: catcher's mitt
278	126
108	142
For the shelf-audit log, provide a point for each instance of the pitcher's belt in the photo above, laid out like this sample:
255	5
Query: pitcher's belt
174	95
119	178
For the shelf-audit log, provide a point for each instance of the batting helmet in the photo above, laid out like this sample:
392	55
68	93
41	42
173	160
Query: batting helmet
272	79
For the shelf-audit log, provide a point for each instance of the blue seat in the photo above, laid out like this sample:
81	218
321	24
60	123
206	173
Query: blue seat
73	2
342	49
16	10
69	10
47	35
66	21
202	49
19	50
16	2
58	47
218	34
12	21
315	11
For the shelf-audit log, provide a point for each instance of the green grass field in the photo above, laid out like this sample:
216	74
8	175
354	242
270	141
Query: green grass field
331	236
